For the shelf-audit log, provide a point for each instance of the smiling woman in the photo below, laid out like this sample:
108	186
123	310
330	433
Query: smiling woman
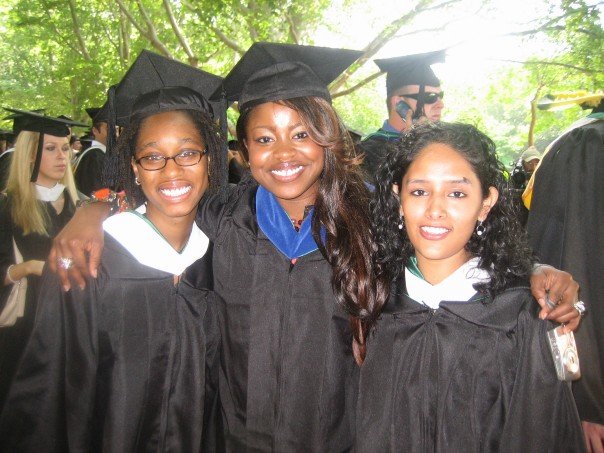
283	157
142	342
458	347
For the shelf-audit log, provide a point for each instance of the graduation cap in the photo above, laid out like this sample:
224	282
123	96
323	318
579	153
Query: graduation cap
411	70
6	134
271	72
43	124
98	114
155	84
16	118
71	121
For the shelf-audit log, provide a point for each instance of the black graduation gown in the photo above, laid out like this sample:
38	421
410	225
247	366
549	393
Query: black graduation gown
32	247
375	147
288	378
468	377
89	171
566	230
128	364
5	161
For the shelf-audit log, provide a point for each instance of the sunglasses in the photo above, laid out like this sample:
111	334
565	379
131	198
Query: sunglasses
429	98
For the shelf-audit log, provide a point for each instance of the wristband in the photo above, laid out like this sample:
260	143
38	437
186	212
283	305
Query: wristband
10	279
117	200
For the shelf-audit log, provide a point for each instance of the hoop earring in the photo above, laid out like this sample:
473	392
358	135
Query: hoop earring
136	181
480	228
401	222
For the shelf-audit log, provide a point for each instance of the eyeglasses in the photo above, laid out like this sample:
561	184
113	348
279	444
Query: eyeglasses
429	98
155	162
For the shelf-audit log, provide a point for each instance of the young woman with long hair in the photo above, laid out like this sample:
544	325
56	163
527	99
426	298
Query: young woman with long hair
39	200
458	359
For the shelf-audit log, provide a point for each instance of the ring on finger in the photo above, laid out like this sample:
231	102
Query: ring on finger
65	263
580	307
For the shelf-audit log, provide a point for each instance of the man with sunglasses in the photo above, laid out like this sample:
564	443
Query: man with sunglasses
413	95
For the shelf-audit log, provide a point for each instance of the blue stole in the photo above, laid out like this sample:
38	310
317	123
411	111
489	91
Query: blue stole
276	224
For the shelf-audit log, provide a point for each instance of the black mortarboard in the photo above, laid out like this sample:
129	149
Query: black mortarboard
270	72
37	122
71	122
155	84
411	70
98	114
7	135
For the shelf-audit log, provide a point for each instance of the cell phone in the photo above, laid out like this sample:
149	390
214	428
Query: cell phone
402	108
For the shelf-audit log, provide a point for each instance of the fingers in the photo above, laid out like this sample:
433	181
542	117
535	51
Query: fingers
564	289
96	248
73	249
557	287
594	437
539	287
572	325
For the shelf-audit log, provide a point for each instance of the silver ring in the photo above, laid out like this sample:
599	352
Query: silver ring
580	307
65	263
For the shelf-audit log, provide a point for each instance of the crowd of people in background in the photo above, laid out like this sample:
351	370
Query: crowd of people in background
295	288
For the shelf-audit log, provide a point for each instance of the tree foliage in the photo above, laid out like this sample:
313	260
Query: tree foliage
64	54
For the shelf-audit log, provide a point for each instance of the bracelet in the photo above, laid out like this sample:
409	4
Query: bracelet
10	279
117	200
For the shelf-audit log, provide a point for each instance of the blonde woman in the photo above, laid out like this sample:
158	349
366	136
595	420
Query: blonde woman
39	200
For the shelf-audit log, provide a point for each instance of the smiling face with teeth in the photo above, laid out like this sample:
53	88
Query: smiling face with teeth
283	157
441	201
173	192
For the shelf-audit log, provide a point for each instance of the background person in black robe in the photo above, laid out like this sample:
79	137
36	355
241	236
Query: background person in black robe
566	227
6	144
131	362
38	202
458	359
412	84
88	166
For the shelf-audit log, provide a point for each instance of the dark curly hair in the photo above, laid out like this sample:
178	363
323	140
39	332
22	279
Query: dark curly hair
503	248
341	207
212	138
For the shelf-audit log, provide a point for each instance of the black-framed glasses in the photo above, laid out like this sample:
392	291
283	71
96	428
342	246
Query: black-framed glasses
155	162
429	98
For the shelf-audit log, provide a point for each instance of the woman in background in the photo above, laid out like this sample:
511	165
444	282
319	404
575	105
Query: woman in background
39	200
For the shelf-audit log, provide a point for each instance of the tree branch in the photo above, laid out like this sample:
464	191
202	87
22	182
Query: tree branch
252	6
293	29
219	34
148	34
124	38
362	83
385	35
227	41
77	30
555	63
56	31
152	30
193	60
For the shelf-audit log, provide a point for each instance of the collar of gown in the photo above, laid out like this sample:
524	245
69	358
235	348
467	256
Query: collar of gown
277	226
459	286
49	194
149	247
